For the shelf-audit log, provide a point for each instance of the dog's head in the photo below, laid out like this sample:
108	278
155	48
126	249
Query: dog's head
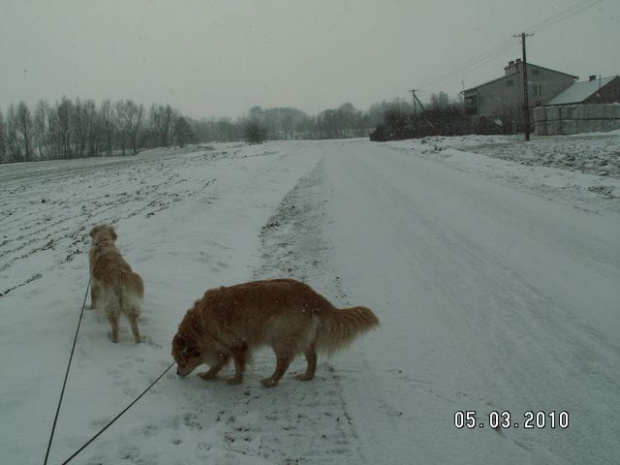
186	355
103	233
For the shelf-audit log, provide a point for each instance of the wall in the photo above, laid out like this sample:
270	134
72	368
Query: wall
576	119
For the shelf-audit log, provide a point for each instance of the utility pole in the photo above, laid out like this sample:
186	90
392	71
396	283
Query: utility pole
413	98
526	101
416	101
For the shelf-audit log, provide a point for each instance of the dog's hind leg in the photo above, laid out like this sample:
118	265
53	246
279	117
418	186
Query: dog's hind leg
284	355
240	357
95	294
113	319
311	359
132	315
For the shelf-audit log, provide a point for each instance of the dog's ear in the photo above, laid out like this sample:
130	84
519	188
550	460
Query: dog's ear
191	352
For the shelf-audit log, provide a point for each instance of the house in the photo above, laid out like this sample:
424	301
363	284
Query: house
588	106
593	91
504	96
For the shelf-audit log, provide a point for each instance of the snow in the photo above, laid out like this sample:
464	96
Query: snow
495	279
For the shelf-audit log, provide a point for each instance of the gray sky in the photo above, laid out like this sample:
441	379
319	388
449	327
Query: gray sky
219	58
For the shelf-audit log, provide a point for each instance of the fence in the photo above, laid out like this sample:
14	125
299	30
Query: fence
576	119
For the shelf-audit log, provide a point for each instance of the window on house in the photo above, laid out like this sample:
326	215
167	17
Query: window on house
536	90
510	83
616	94
470	102
470	105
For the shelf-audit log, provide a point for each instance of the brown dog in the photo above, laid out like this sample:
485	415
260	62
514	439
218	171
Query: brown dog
287	315
114	286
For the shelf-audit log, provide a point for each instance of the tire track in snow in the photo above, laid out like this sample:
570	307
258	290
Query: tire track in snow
296	422
319	422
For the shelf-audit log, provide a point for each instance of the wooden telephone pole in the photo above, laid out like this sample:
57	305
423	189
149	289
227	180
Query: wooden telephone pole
416	101
526	100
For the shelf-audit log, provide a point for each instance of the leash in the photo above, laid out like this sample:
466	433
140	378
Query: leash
111	422
64	384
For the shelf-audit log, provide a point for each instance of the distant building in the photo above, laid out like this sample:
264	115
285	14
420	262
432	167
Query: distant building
587	106
504	96
595	90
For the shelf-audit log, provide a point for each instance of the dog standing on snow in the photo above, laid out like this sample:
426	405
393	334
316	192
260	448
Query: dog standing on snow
287	315
114	286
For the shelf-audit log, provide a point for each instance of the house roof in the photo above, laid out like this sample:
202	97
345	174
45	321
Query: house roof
510	76
580	91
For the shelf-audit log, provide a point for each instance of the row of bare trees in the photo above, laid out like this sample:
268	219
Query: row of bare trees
282	123
77	129
289	123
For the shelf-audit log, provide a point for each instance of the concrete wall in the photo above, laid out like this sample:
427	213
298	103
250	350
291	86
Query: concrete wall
576	119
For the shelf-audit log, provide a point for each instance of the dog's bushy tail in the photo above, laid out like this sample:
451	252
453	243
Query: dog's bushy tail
340	327
130	288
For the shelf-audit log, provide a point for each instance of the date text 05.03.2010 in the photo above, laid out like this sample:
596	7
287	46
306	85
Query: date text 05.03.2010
470	419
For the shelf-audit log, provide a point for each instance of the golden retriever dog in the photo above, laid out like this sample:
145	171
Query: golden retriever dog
287	315
114	286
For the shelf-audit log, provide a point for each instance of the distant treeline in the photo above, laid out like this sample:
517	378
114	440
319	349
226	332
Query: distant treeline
283	123
440	117
78	129
448	121
83	128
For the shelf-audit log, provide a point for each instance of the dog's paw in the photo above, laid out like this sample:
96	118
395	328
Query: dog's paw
235	380
208	375
269	382
304	377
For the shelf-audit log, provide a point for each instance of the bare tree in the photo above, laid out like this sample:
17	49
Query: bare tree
182	133
24	126
78	129
3	146
60	128
106	127
440	101
13	145
120	126
255	133
91	128
128	121
40	130
160	124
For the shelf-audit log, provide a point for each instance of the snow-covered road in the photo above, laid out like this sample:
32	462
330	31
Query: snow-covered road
491	299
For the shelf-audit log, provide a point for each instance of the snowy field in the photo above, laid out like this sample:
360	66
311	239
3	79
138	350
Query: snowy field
493	266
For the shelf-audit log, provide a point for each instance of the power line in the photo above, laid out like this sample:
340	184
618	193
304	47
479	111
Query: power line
563	15
498	50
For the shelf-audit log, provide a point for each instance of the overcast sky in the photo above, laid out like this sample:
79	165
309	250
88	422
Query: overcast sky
219	58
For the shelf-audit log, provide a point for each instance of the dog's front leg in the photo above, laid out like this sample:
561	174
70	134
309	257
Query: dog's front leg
222	359
240	357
